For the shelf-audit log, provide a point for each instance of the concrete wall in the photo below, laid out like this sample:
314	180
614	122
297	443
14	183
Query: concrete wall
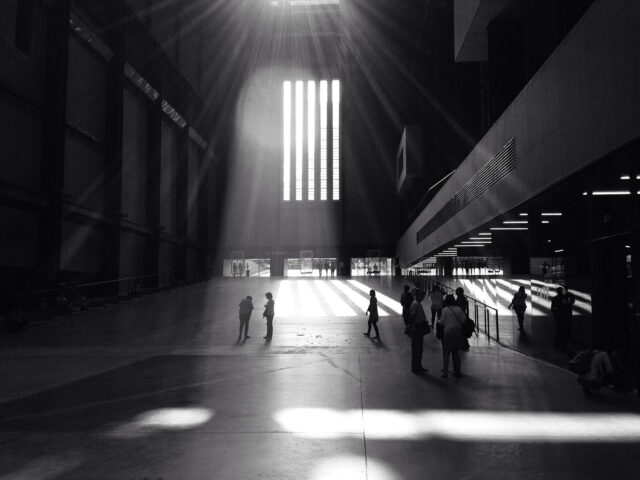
583	103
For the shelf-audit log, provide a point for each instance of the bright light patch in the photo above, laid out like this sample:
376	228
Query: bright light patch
357	298
611	192
339	307
162	419
388	302
351	467
312	307
284	300
492	426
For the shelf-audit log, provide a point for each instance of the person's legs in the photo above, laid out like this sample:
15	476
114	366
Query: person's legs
433	316
246	327
269	328
375	327
241	325
445	361
456	362
369	327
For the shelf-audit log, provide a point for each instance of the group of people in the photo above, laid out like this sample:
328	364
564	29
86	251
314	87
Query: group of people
245	309
327	266
448	315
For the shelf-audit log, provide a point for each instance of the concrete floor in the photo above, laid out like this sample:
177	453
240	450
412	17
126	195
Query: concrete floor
158	388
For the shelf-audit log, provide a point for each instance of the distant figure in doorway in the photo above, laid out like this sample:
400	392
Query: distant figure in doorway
326	269
436	304
246	307
332	267
234	269
419	328
268	314
452	320
372	310
519	304
406	299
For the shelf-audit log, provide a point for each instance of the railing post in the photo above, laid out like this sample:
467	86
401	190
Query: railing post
497	327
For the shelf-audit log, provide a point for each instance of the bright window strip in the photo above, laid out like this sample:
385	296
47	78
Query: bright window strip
299	137
311	140
286	170
335	106
323	139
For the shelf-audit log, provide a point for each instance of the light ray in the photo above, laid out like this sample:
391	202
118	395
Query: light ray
382	298
339	307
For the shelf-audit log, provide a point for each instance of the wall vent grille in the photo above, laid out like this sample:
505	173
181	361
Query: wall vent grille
491	173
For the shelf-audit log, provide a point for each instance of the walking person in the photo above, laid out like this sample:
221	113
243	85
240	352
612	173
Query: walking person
268	314
372	310
519	304
436	304
419	328
452	320
246	307
406	299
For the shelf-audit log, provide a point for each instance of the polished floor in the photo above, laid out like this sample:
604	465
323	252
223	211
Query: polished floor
160	388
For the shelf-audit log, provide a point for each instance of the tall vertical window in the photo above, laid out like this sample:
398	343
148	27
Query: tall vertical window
299	138
323	140
319	107
335	106
311	140
286	167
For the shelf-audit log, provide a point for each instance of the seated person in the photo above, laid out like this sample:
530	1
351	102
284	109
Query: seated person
600	372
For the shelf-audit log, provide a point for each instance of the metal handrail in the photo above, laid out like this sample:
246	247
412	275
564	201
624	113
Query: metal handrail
427	283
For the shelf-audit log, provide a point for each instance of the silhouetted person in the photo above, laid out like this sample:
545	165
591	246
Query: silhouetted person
452	320
558	310
406	299
326	269
246	307
600	372
519	304
332	267
268	314
234	269
567	312
372	310
419	328
436	304
463	303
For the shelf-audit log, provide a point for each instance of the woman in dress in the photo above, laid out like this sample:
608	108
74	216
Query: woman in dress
373	314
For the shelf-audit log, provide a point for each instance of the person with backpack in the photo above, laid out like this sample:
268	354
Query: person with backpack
453	340
519	304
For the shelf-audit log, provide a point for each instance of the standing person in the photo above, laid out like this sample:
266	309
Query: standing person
268	314
463	303
519	304
333	268
246	307
326	269
372	310
406	299
567	314
436	304
419	328
559	342
452	320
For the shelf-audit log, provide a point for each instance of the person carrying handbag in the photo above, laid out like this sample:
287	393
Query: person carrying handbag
452	321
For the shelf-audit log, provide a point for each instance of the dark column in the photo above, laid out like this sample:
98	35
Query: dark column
55	119
113	184
182	207
153	187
